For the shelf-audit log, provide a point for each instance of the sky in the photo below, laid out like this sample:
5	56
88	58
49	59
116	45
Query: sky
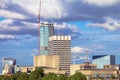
93	24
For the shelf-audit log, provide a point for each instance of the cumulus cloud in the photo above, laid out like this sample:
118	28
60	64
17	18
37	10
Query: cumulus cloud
110	24
102	3
14	27
77	49
66	10
10	14
74	28
67	29
7	37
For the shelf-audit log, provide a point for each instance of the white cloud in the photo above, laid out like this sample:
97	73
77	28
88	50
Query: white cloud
77	49
9	26
7	36
110	24
102	2
74	28
11	14
48	8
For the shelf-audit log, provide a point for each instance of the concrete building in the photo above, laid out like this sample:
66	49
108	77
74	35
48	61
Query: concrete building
75	67
27	69
46	30
61	45
49	63
102	60
92	73
108	67
46	61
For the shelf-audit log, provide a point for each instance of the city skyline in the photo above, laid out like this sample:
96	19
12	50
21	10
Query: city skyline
93	25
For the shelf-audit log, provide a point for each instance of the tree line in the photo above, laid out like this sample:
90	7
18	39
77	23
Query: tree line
38	74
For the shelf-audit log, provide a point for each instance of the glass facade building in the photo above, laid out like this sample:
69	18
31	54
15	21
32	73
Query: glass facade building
46	30
8	65
101	60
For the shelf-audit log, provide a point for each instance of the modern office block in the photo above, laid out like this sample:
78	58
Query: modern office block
8	65
61	45
46	30
102	60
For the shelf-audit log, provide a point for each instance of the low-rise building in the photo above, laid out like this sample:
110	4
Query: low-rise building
76	67
49	63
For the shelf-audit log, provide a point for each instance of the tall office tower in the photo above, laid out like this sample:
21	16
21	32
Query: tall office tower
101	60
61	45
46	30
8	65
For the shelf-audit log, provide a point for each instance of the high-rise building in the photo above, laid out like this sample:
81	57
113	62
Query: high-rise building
102	60
46	30
61	45
8	65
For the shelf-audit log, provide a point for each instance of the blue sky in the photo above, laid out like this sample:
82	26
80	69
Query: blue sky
93	25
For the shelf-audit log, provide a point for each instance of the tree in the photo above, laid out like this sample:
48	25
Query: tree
62	77
23	76
77	76
6	78
71	77
1	76
37	74
15	76
50	76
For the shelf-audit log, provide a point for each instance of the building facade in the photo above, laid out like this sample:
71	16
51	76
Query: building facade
61	45
8	65
46	30
102	60
92	73
49	63
75	67
46	61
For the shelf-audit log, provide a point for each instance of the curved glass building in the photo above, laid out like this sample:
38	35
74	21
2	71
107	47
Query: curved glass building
46	30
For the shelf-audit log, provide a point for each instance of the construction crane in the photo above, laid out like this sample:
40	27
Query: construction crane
39	28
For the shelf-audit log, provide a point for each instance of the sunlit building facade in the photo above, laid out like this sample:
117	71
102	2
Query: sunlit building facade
61	45
8	65
46	30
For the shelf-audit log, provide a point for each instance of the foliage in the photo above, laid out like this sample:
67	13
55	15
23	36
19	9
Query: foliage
6	78
62	77
23	76
77	76
37	74
1	76
50	76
